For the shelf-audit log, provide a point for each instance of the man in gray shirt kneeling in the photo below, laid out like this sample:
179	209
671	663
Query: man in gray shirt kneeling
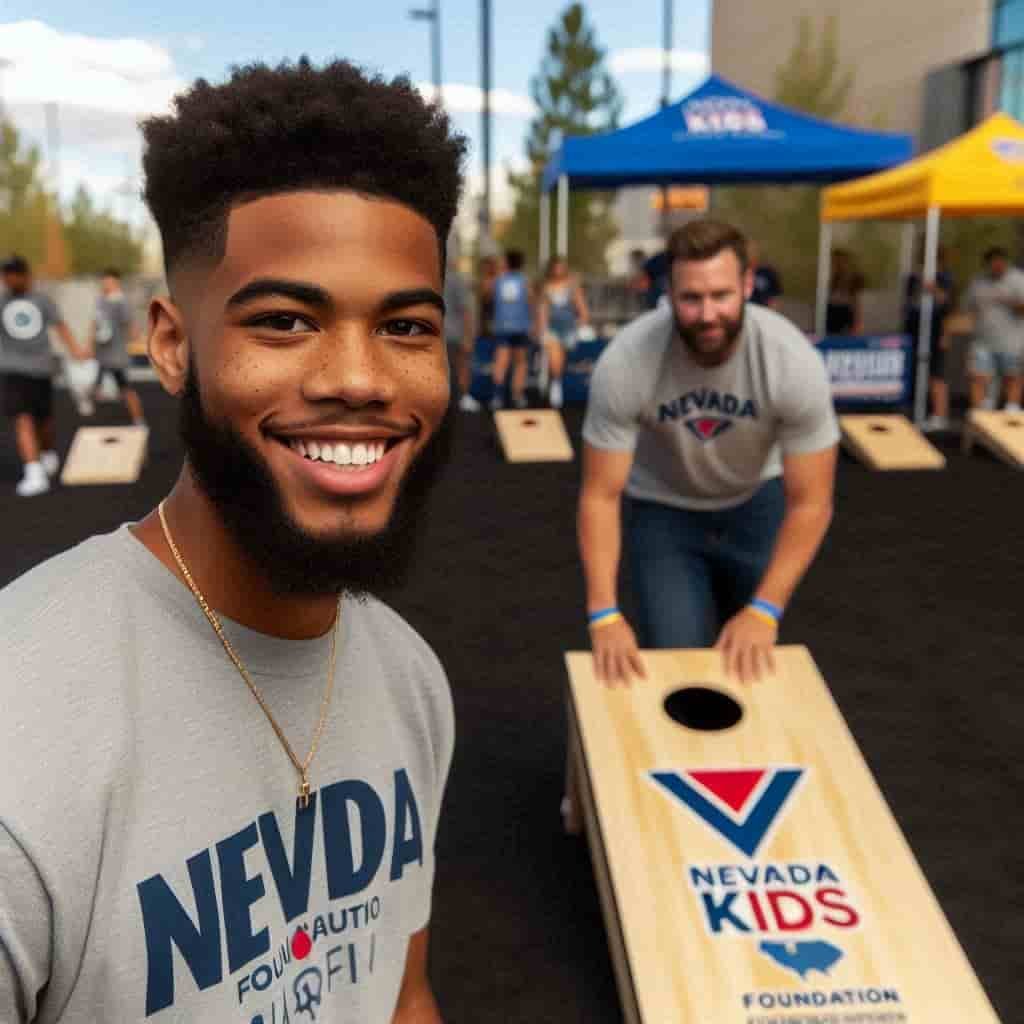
714	418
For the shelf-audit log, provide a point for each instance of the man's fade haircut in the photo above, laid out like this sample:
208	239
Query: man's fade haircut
704	239
271	130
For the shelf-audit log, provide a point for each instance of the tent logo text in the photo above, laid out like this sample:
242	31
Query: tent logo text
723	115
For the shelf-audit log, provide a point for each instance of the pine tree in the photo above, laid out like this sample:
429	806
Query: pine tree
574	95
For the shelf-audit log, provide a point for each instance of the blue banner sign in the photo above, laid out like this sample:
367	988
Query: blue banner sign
871	369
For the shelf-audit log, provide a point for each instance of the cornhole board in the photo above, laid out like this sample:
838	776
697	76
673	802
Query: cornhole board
105	455
533	435
1002	433
753	873
889	442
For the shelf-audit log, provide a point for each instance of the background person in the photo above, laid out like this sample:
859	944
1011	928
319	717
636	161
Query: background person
513	322
996	298
844	313
562	310
112	330
714	420
26	362
767	288
942	289
458	333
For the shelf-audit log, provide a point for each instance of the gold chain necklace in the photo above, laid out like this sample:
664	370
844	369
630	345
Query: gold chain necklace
302	767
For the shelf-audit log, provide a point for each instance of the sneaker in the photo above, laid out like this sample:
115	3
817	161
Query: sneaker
935	423
1011	407
496	403
51	462
555	394
86	407
35	481
468	403
520	402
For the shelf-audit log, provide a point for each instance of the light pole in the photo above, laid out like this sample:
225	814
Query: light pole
433	15
666	91
485	119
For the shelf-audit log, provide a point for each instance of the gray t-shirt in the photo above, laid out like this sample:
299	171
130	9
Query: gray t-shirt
152	859
705	438
996	325
24	335
457	299
113	319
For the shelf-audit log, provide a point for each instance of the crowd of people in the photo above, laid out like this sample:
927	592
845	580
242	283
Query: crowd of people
27	365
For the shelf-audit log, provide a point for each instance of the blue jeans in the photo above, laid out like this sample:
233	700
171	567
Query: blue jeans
692	571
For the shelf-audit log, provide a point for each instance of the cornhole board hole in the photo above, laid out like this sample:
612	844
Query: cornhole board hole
105	455
533	435
1002	433
889	442
748	866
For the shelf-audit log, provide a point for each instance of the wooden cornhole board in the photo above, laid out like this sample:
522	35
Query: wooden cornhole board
754	873
1002	433
105	455
889	442
533	435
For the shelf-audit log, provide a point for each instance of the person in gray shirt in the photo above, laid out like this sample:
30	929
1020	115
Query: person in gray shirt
26	363
229	812
713	418
112	330
996	298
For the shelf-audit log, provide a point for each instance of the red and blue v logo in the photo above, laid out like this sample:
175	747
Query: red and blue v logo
707	428
740	805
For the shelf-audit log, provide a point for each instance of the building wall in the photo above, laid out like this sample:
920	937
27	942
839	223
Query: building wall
890	45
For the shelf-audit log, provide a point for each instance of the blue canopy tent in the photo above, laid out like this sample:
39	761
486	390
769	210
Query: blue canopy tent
718	134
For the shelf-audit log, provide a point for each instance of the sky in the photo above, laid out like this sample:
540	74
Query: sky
105	65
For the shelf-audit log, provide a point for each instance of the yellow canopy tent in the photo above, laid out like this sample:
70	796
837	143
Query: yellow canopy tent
981	172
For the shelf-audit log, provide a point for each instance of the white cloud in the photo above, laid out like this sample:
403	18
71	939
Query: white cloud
122	76
468	99
651	59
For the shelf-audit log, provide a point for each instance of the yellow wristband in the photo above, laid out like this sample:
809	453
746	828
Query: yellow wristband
763	615
607	620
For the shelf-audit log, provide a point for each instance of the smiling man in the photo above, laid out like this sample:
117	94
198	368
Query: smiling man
229	814
714	418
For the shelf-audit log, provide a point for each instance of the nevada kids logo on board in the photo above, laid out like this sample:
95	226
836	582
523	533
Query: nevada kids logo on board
796	911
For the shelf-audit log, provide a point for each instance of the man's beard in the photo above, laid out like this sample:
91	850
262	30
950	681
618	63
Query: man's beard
691	338
238	481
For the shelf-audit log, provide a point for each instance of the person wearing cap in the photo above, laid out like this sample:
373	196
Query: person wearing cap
26	363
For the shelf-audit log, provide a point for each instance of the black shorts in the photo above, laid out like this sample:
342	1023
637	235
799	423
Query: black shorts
120	378
24	394
512	340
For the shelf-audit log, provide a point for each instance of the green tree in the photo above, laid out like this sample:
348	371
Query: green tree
575	95
785	219
98	240
24	205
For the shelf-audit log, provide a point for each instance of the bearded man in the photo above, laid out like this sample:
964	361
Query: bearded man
226	810
712	418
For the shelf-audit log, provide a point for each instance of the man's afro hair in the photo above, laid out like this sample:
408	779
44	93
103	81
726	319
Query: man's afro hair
271	130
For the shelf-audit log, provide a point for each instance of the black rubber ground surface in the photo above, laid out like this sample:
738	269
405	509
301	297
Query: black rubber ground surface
914	612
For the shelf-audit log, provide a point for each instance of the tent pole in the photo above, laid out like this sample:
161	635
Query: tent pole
545	229
562	244
824	259
931	248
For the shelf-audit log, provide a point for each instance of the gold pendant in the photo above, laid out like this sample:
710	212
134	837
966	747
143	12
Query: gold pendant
303	795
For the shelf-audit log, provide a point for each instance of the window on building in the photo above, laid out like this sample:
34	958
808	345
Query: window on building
1011	93
1008	26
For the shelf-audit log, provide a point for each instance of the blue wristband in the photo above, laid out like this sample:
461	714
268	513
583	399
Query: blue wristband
601	613
768	608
